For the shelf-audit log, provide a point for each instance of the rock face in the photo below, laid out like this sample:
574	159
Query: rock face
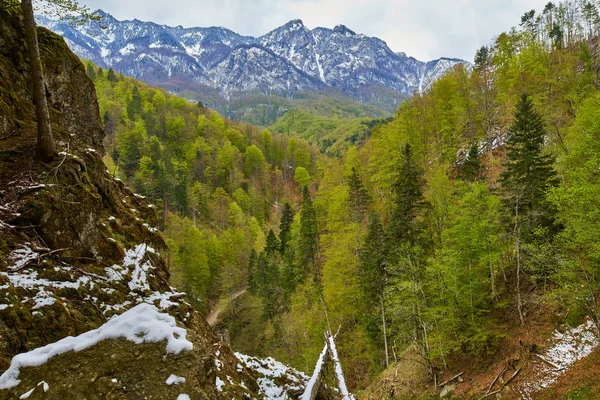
77	248
291	58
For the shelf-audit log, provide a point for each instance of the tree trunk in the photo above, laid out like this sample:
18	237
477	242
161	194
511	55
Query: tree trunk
385	342
45	143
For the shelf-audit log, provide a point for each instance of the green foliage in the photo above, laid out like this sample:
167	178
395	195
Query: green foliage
528	171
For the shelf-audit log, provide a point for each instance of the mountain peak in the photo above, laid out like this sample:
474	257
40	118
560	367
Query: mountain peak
294	24
343	29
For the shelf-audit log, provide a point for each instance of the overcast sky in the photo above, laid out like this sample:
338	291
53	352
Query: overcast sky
425	29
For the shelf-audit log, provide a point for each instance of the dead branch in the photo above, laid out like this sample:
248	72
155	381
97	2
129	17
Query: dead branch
513	376
451	379
548	362
495	380
490	394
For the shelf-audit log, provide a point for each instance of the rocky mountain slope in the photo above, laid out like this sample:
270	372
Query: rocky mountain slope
288	59
86	308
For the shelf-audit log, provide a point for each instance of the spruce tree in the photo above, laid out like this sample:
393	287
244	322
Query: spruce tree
471	167
372	279
272	245
527	176
408	201
528	171
285	226
91	72
111	76
309	240
134	106
359	197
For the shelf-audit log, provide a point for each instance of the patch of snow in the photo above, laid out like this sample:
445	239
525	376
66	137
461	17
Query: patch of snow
183	396
21	257
140	324
270	369
3	307
175	380
219	383
26	395
566	349
44	385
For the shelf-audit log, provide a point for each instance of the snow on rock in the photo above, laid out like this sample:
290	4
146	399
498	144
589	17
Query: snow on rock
141	324
21	257
175	380
270	369
565	349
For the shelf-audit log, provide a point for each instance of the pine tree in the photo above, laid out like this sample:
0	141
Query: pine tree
285	226
409	200
359	197
309	241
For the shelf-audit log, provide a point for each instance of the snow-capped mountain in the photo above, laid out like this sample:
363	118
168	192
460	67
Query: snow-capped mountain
288	59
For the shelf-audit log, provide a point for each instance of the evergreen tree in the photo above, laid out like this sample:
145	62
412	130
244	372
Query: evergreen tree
91	72
528	171
359	197
482	58
408	201
527	176
372	278
309	240
285	226
134	106
273	245
111	76
471	167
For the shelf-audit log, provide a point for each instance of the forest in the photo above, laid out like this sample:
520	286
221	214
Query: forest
474	209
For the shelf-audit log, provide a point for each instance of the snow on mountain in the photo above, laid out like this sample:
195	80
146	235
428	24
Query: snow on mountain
288	59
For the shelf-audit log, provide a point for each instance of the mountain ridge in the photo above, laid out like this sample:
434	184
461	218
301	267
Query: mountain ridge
286	60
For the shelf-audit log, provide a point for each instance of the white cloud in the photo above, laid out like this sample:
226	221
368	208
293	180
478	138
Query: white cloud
424	29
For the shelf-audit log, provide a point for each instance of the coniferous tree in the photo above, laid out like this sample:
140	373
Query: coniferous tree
359	197
134	106
528	171
111	76
372	278
527	176
408	201
285	226
272	245
471	167
91	72
309	241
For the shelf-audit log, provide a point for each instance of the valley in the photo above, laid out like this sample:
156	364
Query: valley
237	197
